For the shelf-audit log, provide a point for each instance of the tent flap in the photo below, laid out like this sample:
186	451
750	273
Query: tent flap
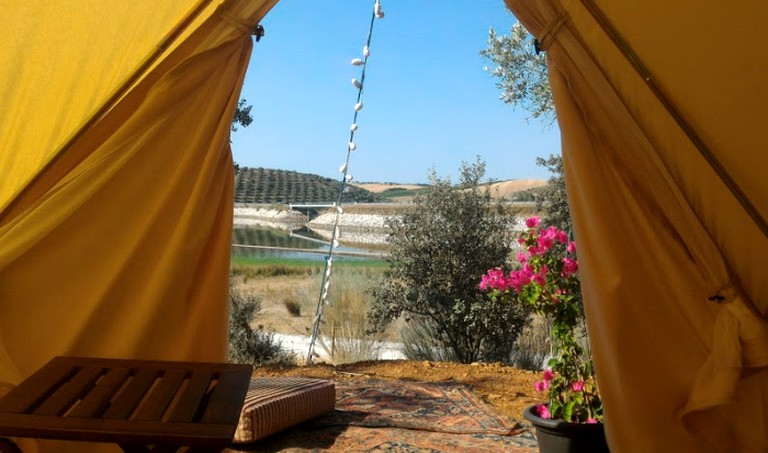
674	289
115	231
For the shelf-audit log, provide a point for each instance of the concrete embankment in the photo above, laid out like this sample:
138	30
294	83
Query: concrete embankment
275	218
354	228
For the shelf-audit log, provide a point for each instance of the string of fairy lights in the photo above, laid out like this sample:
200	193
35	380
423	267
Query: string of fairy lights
359	85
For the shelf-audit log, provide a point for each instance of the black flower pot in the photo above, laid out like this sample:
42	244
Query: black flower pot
556	436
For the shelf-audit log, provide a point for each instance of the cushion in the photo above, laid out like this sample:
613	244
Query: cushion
274	404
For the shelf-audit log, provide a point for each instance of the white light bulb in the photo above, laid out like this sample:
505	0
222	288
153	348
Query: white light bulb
353	128
380	15
352	146
366	51
348	178
358	106
357	62
356	83
335	243
343	168
339	209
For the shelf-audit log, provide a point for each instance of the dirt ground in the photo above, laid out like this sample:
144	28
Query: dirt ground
508	389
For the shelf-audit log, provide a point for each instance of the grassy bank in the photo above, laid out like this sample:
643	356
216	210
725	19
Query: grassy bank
270	266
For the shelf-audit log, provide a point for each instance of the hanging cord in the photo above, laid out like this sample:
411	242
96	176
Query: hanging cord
345	178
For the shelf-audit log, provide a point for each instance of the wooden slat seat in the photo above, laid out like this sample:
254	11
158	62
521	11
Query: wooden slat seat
129	402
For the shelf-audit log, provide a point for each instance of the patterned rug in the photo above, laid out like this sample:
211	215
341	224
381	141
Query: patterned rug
396	416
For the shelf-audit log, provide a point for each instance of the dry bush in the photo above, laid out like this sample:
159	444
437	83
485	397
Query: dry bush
344	335
293	305
533	346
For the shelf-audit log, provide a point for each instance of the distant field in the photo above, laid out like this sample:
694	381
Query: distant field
378	187
504	189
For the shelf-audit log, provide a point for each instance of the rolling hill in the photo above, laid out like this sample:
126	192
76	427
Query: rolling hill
266	186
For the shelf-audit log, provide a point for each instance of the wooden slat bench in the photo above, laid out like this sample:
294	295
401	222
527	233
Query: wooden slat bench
139	405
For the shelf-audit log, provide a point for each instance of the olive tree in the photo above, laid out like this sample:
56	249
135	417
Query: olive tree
439	251
521	73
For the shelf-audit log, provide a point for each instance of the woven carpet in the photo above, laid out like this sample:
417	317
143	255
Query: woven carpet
396	416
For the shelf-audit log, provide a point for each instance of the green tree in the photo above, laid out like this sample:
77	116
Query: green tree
522	78
521	72
242	115
438	253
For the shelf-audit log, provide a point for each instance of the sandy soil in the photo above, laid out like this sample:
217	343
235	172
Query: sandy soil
508	389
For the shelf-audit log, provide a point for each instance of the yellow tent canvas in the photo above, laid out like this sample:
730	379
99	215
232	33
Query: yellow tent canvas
116	192
660	106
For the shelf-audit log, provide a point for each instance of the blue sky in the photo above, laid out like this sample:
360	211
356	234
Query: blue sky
427	100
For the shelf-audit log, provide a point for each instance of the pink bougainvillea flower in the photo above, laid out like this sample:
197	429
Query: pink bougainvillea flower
578	386
539	386
522	257
545	243
518	279
571	247
570	267
494	279
534	250
548	375
589	420
550	232
562	236
532	222
543	411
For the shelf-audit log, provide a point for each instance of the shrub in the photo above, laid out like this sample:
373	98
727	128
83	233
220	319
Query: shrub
438	253
293	306
246	344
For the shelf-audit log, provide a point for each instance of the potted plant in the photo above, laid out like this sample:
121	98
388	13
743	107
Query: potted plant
545	277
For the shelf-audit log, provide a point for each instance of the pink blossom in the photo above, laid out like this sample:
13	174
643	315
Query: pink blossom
578	386
543	411
494	279
522	257
571	247
539	279
518	279
532	222
589	420
570	267
540	386
550	232
521	241
562	237
548	375
545	243
534	250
